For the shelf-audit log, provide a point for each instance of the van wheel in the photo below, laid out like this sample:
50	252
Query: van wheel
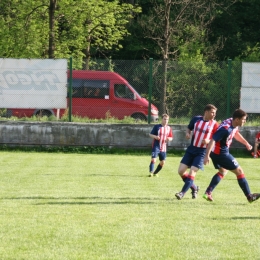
139	117
42	113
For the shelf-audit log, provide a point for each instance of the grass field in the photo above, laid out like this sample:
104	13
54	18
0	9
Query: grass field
85	206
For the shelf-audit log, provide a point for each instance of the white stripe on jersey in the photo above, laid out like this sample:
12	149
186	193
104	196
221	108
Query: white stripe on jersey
164	132
202	130
226	124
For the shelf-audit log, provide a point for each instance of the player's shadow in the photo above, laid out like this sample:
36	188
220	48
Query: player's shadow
245	217
92	200
108	201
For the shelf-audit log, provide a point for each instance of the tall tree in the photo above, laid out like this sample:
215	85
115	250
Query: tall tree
96	25
24	28
172	23
52	29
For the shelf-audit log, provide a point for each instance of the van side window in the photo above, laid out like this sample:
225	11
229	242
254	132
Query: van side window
95	89
77	84
123	91
90	88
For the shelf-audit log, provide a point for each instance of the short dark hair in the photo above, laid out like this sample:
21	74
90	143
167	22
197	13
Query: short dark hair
165	115
239	113
208	107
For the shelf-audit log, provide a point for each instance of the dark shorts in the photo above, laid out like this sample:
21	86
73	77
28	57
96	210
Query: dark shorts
194	157
156	152
226	161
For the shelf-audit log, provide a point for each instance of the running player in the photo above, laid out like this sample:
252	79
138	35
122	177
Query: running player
218	150
161	134
203	127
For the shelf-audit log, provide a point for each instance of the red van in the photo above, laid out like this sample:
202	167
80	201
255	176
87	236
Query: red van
100	94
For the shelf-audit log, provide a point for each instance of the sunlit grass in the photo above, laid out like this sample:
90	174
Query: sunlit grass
255	121
83	206
110	120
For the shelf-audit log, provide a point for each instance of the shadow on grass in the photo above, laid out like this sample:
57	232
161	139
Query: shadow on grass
82	198
101	175
95	203
245	217
95	200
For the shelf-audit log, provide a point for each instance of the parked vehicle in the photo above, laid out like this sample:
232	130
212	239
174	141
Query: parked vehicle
99	94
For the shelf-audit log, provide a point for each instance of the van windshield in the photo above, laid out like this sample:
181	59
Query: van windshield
123	91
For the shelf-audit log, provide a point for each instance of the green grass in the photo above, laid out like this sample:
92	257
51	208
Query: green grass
111	120
78	119
89	206
108	119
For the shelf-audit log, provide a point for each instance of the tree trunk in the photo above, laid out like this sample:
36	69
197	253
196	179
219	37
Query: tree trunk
165	52
52	9
163	108
87	54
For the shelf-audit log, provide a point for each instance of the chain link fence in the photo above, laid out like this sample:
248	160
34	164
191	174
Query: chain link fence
182	89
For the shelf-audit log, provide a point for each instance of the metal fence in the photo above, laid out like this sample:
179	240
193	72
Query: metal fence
189	85
180	88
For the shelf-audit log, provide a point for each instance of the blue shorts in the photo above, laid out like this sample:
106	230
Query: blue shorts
194	156
156	152
226	161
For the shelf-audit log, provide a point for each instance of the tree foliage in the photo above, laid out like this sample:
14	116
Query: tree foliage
24	29
118	29
192	32
237	29
41	29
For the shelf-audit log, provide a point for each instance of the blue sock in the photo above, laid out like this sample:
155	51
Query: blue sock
188	183
214	182
193	186
243	184
151	167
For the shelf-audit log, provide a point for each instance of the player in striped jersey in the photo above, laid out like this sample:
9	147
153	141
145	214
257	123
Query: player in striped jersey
218	150
161	134
202	127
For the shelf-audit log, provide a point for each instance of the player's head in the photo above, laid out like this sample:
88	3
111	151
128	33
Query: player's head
209	112
165	119
239	117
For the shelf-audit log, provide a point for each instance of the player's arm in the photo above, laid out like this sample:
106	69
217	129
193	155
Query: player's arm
170	136
208	150
242	140
190	127
206	141
156	137
188	133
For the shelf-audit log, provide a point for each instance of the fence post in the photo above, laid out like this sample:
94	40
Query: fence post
70	90
229	87
150	88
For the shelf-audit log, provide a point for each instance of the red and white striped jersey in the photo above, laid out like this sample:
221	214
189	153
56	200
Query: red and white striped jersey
163	132
224	136
202	130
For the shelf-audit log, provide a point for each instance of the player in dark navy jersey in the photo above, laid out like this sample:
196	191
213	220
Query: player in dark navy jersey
202	127
256	152
218	151
161	134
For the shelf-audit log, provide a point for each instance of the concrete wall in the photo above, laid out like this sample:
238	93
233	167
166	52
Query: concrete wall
83	134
